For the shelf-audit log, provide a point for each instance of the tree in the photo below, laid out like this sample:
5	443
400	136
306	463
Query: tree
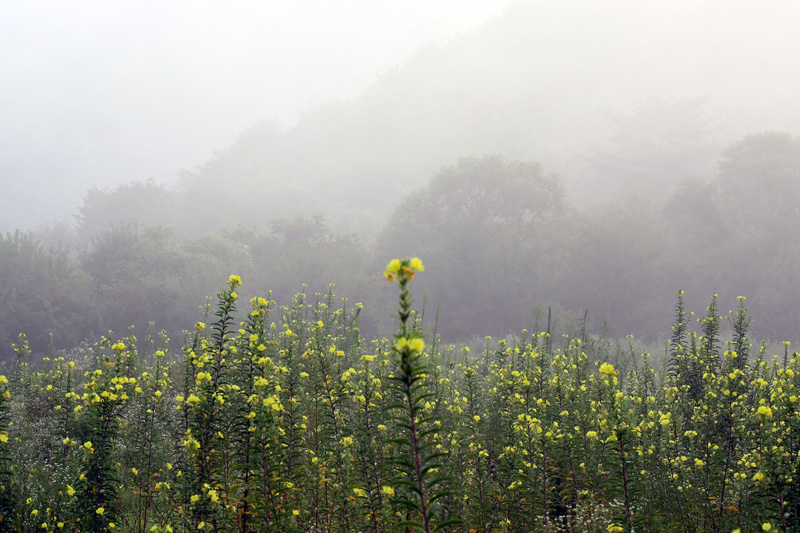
759	183
303	251
616	265
657	144
759	177
138	202
42	292
483	226
144	275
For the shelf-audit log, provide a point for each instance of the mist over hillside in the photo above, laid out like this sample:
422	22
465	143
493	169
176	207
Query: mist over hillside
100	94
616	97
589	158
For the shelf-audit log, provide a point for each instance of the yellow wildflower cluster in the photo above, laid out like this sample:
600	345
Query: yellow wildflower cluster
405	268
528	429
414	344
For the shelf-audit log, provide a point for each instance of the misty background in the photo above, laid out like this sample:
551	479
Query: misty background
584	157
101	93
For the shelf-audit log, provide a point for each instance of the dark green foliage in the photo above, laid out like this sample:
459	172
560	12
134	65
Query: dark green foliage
710	339
42	292
739	343
8	492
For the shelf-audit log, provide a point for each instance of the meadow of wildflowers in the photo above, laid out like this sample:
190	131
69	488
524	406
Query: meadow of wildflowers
285	419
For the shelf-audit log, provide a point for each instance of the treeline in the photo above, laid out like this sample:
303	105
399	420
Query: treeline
134	276
503	238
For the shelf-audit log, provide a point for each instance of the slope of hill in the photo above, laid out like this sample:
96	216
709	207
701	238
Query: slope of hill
610	95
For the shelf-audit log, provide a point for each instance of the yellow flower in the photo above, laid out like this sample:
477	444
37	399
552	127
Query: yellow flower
607	369
591	434
477	418
87	445
70	490
391	269
3	437
100	510
416	264
234	281
389	491
758	476
416	345
296	512
766	526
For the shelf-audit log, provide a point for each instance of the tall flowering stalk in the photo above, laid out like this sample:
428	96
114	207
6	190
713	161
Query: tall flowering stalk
103	402
418	488
7	495
205	441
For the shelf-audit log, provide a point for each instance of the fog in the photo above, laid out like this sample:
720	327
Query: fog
101	93
579	156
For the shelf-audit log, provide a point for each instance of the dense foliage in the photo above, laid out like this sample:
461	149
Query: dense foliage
287	419
494	231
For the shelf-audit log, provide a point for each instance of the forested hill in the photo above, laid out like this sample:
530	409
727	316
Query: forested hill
624	164
501	239
608	106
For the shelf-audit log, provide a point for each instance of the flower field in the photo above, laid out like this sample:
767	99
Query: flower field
285	419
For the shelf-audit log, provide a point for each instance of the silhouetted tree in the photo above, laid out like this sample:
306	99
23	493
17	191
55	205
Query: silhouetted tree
485	226
656	145
138	202
42	292
759	178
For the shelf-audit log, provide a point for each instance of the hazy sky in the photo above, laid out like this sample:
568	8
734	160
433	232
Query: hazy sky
99	92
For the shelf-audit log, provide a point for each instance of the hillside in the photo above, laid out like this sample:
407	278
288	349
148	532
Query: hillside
609	105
